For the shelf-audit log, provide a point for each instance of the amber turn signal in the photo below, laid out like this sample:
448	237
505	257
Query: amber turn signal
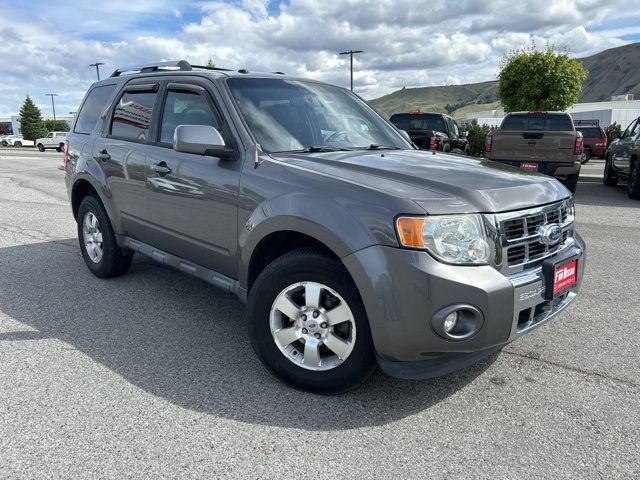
410	231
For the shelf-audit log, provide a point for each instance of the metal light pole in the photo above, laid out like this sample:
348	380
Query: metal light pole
53	105
97	65
350	53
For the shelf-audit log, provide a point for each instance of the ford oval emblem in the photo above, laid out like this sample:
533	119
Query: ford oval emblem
550	234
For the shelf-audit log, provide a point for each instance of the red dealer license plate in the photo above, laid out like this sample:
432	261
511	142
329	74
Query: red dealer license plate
531	167
565	276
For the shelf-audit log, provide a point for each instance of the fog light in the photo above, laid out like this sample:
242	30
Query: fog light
450	322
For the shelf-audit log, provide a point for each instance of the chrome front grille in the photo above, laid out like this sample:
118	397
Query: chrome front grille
520	240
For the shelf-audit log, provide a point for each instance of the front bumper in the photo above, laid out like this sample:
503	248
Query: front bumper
403	289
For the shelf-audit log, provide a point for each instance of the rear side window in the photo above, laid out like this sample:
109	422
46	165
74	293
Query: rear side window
185	108
93	106
132	116
537	122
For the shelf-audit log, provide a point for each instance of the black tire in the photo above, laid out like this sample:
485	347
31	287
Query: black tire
41	147
308	266
586	156
113	260
609	178
17	144
572	182
60	147
633	185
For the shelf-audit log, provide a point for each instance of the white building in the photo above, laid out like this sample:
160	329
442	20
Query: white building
13	123
622	111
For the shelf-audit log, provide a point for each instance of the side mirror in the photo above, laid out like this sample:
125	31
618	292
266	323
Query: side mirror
615	135
405	135
200	140
465	134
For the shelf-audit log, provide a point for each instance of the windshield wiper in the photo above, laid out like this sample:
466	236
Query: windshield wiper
316	148
375	146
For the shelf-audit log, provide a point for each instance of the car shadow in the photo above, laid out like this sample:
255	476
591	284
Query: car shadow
182	340
599	195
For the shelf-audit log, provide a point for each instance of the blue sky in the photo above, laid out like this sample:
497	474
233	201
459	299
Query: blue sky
407	43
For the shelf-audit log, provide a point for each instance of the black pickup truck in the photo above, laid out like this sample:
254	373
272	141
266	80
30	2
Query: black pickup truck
433	131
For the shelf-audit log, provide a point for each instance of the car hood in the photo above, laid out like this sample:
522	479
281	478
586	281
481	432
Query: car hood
438	182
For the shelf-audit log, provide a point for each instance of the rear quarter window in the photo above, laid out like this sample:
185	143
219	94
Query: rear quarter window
92	107
537	122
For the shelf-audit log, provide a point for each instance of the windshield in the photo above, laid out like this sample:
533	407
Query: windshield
290	115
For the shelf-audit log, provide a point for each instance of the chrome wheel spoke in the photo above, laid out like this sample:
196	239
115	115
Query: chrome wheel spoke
98	237
337	345
339	314
87	223
311	353
286	306
286	336
312	295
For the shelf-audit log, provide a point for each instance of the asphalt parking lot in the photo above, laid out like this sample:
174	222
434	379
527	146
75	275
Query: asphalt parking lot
151	375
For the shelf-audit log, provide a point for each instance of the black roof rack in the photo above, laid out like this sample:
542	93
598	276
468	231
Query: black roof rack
582	123
181	65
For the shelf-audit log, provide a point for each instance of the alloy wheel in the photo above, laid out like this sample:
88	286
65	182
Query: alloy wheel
92	236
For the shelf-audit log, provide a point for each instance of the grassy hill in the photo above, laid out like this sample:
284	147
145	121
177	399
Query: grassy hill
611	72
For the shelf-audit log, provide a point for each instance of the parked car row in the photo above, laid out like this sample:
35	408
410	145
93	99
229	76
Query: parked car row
52	140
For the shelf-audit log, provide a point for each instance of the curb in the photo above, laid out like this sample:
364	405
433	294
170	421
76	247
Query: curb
590	179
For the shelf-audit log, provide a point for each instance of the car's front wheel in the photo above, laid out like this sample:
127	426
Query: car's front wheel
41	147
17	144
609	179
308	325
98	243
586	156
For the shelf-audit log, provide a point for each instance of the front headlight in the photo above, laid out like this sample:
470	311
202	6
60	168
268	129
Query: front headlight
458	239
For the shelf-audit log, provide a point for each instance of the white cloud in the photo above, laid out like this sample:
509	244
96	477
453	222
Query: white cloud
406	43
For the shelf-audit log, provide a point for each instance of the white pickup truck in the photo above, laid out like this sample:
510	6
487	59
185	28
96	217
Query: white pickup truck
52	140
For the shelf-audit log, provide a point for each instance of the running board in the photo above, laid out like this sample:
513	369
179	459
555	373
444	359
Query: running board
212	277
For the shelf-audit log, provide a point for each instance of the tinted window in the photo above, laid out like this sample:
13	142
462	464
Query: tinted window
417	121
132	115
537	121
590	132
185	108
93	106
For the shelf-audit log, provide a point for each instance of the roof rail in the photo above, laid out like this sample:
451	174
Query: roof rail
154	67
582	123
204	67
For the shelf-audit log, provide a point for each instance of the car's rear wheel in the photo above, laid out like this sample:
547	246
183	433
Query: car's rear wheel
609	178
17	144
98	243
308	325
586	156
633	185
41	147
60	147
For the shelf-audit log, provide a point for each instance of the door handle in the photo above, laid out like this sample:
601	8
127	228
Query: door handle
103	155
161	168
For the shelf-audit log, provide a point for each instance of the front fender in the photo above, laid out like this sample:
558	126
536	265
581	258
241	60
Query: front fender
323	219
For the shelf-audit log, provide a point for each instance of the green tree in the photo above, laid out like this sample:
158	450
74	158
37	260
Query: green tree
615	127
534	80
56	125
476	136
31	124
210	63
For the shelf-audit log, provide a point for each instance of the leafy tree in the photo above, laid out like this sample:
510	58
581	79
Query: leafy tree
210	63
56	126
476	136
534	80
615	127
31	124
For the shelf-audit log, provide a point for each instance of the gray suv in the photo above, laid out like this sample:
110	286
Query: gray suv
351	249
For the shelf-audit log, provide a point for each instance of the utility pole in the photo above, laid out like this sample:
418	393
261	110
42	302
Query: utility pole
350	53
53	105
97	65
